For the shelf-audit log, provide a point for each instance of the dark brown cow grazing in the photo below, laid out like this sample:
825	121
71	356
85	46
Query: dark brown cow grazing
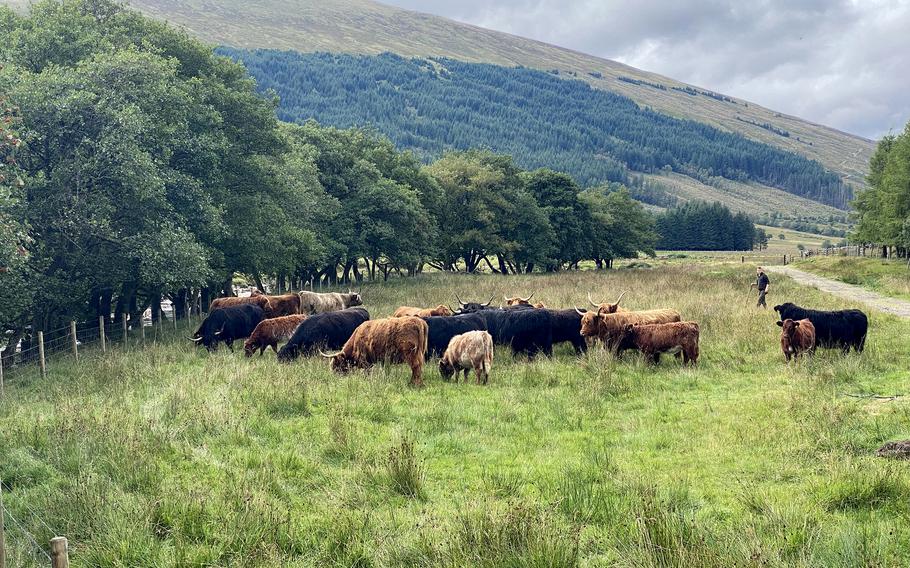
796	337
471	350
393	340
270	332
284	305
654	339
606	308
440	310
257	300
519	301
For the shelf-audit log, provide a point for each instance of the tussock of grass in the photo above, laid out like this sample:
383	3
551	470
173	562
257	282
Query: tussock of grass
406	471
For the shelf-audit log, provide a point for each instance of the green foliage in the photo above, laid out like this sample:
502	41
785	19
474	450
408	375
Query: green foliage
883	209
699	225
542	120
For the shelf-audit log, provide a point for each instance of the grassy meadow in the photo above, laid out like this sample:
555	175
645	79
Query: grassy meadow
890	277
169	456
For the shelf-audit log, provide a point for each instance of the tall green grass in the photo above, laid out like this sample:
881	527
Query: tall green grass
170	456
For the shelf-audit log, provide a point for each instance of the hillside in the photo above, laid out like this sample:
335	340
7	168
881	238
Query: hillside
543	121
363	26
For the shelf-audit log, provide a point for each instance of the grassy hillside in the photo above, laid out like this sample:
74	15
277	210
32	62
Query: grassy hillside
363	26
170	456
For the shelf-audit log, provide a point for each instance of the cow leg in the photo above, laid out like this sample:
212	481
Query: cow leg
416	378
230	345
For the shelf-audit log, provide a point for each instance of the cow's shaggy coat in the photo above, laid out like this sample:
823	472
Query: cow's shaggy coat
271	332
316	303
796	337
441	310
657	338
471	350
843	328
329	330
225	325
390	340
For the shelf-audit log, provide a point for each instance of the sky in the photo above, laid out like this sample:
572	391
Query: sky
844	64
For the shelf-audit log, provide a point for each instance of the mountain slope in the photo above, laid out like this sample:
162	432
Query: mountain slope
362	26
542	120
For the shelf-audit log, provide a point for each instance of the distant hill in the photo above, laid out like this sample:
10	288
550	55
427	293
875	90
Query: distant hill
542	120
363	26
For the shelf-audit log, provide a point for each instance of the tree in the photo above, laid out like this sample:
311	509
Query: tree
620	227
558	193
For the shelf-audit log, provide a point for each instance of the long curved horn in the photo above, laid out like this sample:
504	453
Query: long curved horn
581	313
329	355
460	303
592	301
528	299
619	299
490	301
506	298
195	339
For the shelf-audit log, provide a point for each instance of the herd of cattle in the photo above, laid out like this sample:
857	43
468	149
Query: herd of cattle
463	339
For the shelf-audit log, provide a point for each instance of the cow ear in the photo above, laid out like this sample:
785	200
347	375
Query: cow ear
780	323
628	327
796	324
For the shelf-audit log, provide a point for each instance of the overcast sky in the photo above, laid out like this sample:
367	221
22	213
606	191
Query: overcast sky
845	63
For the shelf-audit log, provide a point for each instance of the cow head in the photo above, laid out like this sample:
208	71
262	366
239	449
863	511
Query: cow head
446	369
784	308
787	333
248	347
206	336
353	299
604	307
518	300
471	307
341	363
442	310
590	322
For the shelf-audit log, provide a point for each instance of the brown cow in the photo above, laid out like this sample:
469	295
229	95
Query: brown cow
796	337
607	308
227	301
519	301
440	310
270	332
654	339
608	327
471	350
393	340
284	305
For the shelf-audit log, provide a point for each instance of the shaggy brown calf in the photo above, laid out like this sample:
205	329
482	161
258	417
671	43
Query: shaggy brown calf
608	327
392	340
228	301
471	350
270	332
440	310
654	339
796	337
284	305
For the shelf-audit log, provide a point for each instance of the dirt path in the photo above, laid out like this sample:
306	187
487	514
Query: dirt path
893	306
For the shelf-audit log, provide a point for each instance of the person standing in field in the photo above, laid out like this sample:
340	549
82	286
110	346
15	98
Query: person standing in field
763	283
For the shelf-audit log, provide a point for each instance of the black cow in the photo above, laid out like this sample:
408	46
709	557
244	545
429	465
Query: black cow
567	328
228	324
844	328
443	329
525	331
328	330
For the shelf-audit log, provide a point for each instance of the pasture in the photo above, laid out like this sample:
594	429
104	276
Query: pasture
170	456
890	277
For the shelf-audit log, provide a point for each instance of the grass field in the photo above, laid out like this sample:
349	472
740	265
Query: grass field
172	457
885	276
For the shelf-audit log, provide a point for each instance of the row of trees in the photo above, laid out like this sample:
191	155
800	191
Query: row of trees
542	120
699	225
883	209
149	167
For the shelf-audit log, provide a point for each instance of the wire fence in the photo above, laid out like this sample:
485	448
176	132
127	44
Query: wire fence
35	350
19	544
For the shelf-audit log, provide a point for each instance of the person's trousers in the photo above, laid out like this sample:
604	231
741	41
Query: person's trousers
761	299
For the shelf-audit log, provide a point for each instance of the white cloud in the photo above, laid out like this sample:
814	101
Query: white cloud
843	63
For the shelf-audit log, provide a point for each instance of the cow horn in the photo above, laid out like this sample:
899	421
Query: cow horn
195	339
528	299
490	301
619	299
592	301
329	355
506	298
581	313
460	303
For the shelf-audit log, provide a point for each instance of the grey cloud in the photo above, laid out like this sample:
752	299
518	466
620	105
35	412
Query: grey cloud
841	63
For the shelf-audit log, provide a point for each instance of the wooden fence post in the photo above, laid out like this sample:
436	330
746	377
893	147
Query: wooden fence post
60	557
1	375
41	354
101	333
2	529
75	340
125	332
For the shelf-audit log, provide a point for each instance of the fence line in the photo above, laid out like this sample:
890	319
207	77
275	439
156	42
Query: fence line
32	543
